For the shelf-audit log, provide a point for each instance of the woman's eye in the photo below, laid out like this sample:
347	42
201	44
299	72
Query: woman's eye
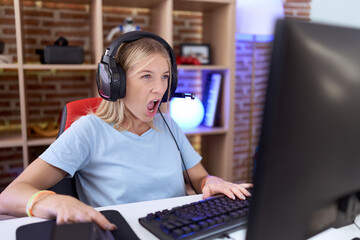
147	76
165	77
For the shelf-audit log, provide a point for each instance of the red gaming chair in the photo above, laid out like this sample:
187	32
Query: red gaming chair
74	110
71	112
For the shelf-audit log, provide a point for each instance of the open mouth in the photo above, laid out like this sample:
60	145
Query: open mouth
153	105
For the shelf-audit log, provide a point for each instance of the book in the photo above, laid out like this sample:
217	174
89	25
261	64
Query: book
211	98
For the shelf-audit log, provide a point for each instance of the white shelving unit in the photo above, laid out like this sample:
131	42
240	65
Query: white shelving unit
218	31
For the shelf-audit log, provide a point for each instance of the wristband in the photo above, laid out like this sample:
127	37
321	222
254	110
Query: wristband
32	200
203	182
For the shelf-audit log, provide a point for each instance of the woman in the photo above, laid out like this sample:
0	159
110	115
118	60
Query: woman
124	152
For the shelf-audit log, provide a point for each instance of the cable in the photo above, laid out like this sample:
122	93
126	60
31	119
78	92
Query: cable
356	223
226	235
182	160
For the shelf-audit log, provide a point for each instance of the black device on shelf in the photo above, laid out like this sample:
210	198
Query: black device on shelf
204	219
61	53
307	172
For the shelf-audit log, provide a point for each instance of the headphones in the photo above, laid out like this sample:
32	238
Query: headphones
111	77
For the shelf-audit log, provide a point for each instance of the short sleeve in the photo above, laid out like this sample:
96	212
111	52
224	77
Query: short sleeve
72	150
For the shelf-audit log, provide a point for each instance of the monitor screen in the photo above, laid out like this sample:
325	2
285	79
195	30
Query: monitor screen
307	176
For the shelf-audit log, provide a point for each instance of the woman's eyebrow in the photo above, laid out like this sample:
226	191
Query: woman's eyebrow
146	71
149	71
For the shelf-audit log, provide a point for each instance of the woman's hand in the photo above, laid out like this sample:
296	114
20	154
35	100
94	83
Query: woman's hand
68	209
214	185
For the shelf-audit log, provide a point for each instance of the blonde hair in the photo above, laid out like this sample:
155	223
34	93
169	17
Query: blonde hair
128	55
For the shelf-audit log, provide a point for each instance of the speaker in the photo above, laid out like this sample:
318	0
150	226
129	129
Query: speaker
111	77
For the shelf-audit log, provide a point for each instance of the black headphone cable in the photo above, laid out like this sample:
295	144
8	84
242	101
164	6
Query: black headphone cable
182	159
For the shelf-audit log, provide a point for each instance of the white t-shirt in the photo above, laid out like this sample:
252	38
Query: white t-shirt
116	167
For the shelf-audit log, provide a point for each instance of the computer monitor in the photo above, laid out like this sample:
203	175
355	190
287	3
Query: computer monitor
307	176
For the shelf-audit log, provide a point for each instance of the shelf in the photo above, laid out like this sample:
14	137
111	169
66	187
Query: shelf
60	66
9	66
202	67
205	131
40	141
132	3
10	139
200	5
51	66
68	1
13	139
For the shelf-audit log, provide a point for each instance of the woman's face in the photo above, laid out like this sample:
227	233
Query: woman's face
146	83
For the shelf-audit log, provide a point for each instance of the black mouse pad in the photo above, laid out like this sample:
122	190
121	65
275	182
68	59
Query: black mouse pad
124	230
44	230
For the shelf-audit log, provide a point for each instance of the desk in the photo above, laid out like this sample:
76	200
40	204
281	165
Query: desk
133	211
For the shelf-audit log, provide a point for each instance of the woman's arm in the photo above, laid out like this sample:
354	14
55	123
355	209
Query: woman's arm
40	175
196	174
210	185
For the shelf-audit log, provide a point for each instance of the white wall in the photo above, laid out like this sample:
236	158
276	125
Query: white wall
336	12
258	16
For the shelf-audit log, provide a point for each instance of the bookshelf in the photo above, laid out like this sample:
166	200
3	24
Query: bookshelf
218	31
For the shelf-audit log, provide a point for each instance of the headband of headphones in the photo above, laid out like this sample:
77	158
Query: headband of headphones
111	77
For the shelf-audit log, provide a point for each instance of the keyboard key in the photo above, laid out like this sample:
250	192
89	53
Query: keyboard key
218	219
194	227
203	224
186	230
198	218
211	222
177	232
150	216
167	227
176	223
225	218
234	215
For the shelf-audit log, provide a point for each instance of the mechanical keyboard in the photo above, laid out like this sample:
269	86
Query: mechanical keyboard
210	217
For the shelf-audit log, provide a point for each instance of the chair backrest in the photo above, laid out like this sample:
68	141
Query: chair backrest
74	110
71	112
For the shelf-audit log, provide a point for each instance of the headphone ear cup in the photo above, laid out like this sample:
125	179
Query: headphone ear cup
174	72
120	88
174	80
110	79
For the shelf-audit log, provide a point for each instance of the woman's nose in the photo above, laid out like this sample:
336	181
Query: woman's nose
160	85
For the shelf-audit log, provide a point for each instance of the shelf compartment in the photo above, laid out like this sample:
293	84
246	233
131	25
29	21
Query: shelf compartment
10	113
193	80
152	16
12	165
8	57
217	26
35	151
60	66
48	91
52	19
